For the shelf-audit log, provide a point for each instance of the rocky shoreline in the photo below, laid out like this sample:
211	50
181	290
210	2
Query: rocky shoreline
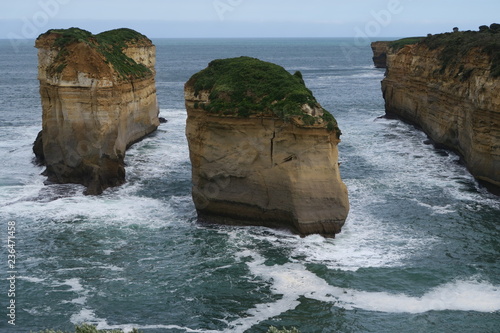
447	85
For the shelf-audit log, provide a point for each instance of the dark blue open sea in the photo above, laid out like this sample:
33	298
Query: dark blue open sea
419	252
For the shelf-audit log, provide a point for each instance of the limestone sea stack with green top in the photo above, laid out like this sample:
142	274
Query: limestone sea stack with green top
263	150
98	97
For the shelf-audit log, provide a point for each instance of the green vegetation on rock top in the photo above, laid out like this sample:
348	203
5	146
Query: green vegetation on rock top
455	45
400	43
110	44
247	86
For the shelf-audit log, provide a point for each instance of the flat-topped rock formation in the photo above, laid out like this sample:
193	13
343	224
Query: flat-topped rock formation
263	151
98	97
448	85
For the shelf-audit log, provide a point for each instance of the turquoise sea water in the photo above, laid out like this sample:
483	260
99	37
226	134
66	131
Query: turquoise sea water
419	252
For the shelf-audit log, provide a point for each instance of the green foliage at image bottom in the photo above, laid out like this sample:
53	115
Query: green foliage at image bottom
86	328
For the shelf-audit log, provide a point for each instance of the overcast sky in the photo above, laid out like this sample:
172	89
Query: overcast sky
248	18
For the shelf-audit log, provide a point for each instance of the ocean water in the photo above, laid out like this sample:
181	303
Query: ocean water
419	252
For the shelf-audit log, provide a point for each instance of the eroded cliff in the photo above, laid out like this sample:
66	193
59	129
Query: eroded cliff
448	84
98	97
380	54
263	151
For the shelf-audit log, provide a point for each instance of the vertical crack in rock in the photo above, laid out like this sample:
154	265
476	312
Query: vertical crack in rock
272	147
245	123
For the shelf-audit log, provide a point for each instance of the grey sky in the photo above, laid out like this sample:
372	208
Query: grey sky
248	18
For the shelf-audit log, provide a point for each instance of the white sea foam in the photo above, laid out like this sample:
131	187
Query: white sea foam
38	310
88	316
436	209
109	210
293	281
365	241
351	251
72	269
19	177
31	279
416	165
73	283
165	155
310	68
85	315
111	268
63	203
80	301
93	265
368	75
469	295
347	77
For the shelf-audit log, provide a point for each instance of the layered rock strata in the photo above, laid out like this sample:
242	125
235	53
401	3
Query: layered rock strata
263	151
448	85
98	97
380	54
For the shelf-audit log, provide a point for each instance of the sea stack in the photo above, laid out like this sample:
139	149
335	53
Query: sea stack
263	150
98	97
448	85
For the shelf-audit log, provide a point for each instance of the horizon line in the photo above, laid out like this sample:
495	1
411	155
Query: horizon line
245	37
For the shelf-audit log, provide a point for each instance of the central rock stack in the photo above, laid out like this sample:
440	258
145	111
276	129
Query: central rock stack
98	97
263	151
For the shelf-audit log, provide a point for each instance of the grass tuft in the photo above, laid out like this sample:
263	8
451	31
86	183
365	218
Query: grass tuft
400	43
456	45
110	44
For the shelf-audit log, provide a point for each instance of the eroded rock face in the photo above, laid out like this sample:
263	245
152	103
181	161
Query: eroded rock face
98	97
455	102
380	54
260	169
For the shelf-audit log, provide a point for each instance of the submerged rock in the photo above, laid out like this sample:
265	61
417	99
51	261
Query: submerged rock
448	85
263	150
98	97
